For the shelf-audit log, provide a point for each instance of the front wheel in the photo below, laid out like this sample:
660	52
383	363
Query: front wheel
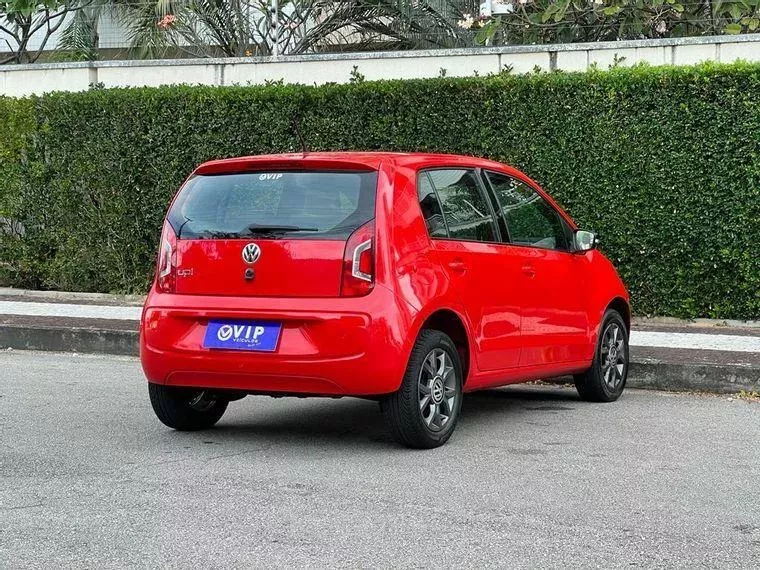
424	411
185	409
605	380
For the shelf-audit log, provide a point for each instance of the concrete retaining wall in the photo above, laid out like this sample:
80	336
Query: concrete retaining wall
322	68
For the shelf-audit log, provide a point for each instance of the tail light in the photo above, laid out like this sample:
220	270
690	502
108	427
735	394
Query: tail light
166	269
359	262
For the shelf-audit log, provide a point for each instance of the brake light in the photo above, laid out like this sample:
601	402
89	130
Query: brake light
166	269
359	262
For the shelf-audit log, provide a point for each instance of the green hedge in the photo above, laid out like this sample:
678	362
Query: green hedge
663	162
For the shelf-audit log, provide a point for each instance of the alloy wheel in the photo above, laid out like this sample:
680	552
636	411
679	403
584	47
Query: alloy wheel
613	358
437	390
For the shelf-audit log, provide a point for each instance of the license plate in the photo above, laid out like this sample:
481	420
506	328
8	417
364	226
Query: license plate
242	335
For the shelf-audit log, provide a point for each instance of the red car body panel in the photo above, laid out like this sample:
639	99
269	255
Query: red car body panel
527	312
493	311
286	269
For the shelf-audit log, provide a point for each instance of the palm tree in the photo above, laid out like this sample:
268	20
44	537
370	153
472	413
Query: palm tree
235	28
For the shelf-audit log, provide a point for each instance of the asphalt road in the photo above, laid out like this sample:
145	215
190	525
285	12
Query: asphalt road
532	478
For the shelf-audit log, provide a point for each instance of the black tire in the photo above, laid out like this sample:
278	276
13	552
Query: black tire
605	381
185	409
412	422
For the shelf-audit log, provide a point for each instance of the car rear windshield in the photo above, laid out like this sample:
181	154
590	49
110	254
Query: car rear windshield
280	204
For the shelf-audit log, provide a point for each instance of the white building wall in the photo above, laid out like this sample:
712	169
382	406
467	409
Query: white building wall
111	33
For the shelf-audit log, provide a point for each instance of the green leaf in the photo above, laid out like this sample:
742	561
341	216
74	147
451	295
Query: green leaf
732	29
548	13
487	31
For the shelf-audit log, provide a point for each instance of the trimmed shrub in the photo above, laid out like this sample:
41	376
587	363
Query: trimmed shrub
663	162
17	125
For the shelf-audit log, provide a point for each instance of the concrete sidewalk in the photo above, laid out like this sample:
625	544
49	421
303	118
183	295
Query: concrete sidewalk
670	354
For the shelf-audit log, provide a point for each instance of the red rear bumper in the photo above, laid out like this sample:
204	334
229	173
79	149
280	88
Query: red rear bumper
337	346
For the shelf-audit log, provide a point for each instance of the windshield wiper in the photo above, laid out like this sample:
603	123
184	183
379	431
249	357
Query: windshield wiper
182	225
265	229
207	234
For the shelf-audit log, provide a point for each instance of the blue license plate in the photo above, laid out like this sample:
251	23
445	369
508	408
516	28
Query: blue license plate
242	335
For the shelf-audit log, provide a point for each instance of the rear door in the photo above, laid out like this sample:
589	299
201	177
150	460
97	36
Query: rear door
268	233
461	225
552	279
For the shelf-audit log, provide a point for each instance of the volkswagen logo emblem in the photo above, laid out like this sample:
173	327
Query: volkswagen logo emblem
251	253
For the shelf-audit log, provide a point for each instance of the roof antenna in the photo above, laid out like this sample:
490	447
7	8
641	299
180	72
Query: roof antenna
297	129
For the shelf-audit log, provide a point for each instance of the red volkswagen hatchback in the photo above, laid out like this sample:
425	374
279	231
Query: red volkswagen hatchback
406	278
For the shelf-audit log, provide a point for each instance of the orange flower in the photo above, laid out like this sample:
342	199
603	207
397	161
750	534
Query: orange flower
166	22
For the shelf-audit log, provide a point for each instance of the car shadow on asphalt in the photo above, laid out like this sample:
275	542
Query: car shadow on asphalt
351	421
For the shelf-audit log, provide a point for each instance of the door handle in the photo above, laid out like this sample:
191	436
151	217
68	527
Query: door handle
529	270
458	266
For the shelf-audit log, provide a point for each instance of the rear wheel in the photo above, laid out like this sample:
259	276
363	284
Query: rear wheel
185	409
605	380
424	411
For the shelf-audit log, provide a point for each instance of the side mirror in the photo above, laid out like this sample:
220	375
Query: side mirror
585	241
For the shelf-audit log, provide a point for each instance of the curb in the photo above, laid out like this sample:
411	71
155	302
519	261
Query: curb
676	377
71	297
70	339
644	373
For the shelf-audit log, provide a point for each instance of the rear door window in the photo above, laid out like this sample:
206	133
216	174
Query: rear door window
468	216
295	204
431	207
530	219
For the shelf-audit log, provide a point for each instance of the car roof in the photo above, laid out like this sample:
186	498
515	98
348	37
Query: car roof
345	160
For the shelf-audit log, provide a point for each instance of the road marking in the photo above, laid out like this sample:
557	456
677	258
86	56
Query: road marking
67	310
695	341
